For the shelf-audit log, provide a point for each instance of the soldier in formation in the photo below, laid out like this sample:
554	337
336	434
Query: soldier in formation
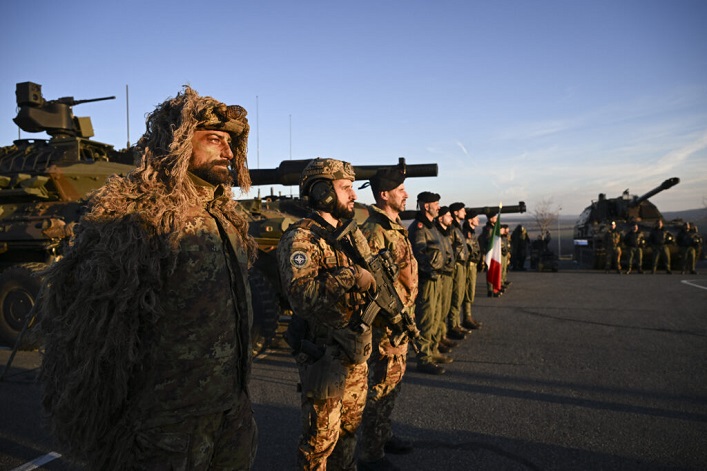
634	242
326	281
387	363
612	246
460	277
444	226
690	243
659	239
427	247
470	224
146	316
520	244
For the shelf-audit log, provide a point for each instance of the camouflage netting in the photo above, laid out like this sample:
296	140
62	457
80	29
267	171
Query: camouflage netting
100	302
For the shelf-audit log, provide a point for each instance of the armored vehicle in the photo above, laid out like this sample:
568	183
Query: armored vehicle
595	221
42	188
269	217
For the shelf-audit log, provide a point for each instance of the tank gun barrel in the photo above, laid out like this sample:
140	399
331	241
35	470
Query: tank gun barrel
487	210
69	100
667	184
289	172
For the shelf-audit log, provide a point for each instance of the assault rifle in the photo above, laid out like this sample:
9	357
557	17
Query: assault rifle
385	300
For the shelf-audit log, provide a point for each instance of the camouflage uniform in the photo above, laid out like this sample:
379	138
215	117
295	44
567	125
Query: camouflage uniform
427	243
319	279
612	246
688	241
388	362
148	316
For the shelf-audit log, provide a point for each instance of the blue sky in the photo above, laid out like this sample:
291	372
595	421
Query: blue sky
514	99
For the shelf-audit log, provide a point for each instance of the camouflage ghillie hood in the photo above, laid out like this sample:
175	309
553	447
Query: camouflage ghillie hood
100	302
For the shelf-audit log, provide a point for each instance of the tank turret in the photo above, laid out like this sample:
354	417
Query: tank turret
625	210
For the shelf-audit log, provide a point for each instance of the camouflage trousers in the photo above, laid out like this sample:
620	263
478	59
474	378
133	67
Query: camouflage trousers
221	441
459	281
428	314
386	368
613	256
445	302
329	425
689	258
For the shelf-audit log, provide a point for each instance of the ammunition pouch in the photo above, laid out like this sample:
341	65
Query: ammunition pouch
357	346
325	377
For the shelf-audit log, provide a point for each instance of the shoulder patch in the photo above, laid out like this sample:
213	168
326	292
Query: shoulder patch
419	225
299	259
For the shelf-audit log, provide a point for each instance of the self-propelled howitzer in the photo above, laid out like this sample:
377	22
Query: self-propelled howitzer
269	218
625	210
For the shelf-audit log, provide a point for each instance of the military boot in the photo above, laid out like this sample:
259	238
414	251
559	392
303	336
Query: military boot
469	322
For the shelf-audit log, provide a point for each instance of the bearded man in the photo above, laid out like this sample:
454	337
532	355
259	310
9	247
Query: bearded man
322	267
147	316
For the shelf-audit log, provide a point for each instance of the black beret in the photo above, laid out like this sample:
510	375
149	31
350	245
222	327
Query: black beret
456	206
428	197
443	210
387	179
471	214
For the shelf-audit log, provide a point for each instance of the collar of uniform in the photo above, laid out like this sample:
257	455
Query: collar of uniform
394	223
204	188
420	217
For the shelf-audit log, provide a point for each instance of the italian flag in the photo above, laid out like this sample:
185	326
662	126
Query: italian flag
493	256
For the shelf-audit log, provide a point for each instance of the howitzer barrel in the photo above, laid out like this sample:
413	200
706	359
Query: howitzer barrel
489	210
667	184
289	172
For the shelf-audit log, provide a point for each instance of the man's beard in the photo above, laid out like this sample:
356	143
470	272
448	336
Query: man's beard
213	173
342	212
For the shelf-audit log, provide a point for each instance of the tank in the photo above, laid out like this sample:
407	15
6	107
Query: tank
43	185
595	221
269	217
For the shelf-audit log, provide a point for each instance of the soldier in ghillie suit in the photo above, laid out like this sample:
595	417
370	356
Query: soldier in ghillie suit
387	363
147	316
325	280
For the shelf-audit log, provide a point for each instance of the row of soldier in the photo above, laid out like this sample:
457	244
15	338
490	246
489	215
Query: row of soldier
688	240
146	317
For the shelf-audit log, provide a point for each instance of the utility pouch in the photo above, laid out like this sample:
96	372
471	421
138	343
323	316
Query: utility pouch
357	346
325	378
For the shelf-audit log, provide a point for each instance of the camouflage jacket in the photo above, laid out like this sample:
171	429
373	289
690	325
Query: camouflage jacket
384	233
427	248
634	239
318	274
201	351
612	238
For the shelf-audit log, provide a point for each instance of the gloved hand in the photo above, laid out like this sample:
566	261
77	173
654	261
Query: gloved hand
364	279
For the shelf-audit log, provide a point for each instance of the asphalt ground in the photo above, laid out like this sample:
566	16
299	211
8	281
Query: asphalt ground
574	370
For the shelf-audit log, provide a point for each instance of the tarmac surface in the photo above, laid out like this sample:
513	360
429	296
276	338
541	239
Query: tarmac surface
574	370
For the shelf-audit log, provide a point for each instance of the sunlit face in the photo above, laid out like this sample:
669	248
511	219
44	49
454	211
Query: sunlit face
446	219
211	156
432	209
345	198
474	222
396	198
460	215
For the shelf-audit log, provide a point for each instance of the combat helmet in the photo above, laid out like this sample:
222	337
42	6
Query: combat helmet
316	181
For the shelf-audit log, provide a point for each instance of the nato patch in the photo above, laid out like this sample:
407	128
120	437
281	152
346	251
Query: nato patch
299	259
